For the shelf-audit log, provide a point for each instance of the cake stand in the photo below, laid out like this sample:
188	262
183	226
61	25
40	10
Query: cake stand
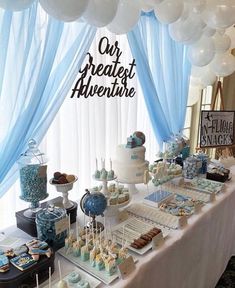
131	186
104	183
64	189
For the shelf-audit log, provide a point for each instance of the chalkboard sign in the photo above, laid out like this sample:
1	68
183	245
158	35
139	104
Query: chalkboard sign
217	128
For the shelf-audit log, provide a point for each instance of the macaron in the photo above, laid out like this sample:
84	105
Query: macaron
70	178
57	175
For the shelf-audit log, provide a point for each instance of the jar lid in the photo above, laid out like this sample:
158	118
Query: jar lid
51	213
32	155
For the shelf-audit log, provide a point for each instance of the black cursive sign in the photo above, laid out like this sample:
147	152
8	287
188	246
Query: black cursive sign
118	72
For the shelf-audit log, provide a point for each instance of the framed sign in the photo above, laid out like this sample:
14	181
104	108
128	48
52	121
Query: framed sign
217	128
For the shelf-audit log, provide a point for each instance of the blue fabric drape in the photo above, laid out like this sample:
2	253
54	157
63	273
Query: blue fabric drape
39	61
163	71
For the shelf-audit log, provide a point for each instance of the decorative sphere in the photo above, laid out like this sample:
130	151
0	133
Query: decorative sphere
139	138
94	204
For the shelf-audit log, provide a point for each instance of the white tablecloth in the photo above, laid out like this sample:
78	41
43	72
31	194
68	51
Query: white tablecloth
194	257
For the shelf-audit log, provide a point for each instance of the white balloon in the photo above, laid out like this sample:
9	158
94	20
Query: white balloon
16	5
222	42
144	6
219	13
126	18
186	30
67	11
148	5
169	11
208	79
194	94
196	82
206	76
101	12
197	6
202	52
208	31
223	64
153	2
231	33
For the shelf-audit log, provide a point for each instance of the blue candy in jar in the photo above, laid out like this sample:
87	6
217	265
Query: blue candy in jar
190	168
33	174
203	158
52	226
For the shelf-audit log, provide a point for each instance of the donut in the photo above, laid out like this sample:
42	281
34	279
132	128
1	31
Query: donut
74	277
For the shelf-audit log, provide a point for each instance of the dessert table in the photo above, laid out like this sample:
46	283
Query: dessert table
193	257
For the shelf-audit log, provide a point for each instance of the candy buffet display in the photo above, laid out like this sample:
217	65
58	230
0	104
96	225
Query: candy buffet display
180	205
33	177
93	204
96	253
204	185
130	163
52	225
64	183
76	278
138	234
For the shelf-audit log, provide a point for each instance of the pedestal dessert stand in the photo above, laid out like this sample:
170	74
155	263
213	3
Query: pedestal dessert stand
64	189
105	183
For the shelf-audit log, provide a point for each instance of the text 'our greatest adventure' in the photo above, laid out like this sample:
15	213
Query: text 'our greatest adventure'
116	83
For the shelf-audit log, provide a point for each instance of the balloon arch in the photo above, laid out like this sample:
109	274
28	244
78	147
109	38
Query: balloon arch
206	26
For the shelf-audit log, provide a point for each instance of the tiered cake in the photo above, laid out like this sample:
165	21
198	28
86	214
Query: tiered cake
130	164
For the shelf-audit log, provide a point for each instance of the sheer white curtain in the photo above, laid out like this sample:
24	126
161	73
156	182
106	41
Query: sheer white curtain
86	129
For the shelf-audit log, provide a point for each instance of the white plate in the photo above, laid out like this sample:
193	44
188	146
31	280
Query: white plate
117	231
84	276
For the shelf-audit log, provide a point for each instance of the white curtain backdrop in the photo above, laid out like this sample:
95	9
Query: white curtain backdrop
86	129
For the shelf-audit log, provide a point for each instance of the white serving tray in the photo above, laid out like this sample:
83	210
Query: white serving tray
193	185
153	216
94	283
196	194
117	231
85	265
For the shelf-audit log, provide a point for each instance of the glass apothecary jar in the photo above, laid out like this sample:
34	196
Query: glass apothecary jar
52	225
33	177
204	160
190	169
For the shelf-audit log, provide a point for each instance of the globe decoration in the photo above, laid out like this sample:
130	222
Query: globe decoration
139	138
93	204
